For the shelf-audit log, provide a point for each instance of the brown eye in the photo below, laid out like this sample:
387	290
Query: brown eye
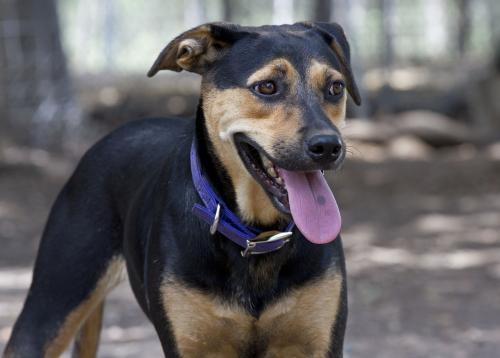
336	88
266	88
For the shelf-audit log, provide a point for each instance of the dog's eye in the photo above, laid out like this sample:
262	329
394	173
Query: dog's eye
266	88
336	88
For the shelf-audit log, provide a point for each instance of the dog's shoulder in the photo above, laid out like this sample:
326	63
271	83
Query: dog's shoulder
130	156
137	145
144	137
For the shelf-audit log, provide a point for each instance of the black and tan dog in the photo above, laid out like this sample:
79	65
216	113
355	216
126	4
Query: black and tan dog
172	201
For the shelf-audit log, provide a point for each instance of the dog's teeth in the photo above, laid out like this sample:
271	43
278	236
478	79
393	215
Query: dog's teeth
279	180
272	171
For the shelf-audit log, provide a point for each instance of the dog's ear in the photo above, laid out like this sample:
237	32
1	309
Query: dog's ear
196	49
334	35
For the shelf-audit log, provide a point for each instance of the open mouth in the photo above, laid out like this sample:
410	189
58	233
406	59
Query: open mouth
305	195
262	169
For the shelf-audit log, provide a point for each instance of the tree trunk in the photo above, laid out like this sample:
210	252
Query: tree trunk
387	12
36	94
493	14
228	10
463	29
322	10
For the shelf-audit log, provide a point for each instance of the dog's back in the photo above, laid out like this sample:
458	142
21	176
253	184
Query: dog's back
81	250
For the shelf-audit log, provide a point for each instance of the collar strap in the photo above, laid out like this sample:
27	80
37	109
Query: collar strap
221	219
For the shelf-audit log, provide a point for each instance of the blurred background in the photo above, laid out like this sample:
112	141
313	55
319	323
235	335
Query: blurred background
420	193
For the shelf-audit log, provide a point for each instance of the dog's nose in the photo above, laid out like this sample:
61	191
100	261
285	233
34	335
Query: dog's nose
324	148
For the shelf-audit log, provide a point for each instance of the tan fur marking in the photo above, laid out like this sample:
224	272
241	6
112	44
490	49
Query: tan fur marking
279	67
112	276
238	110
192	51
300	324
318	75
204	326
297	325
188	51
87	340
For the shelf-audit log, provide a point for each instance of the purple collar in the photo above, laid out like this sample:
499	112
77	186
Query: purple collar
221	219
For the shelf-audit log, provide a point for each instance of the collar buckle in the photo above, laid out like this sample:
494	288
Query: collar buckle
215	223
266	237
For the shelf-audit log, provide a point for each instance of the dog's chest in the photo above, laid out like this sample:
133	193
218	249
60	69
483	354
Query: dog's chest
298	324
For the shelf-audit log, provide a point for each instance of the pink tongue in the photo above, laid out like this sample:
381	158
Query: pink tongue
313	206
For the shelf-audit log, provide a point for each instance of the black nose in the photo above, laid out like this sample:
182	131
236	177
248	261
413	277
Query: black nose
325	148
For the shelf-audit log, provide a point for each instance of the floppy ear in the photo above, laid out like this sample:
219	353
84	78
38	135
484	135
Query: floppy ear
334	35
196	49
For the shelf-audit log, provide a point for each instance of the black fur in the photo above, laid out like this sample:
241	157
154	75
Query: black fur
132	195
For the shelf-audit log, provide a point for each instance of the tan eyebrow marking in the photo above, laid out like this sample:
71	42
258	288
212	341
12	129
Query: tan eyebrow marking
319	72
277	67
317	75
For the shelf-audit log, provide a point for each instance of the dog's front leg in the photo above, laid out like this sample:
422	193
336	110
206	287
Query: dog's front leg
302	324
203	325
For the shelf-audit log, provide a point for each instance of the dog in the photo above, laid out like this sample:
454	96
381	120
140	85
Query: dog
225	224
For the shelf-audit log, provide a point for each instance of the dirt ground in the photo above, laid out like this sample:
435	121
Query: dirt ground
422	242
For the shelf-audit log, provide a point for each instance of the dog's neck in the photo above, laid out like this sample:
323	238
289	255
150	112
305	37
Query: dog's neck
212	166
252	204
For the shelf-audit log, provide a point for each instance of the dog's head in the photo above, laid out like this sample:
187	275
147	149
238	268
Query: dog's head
274	98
